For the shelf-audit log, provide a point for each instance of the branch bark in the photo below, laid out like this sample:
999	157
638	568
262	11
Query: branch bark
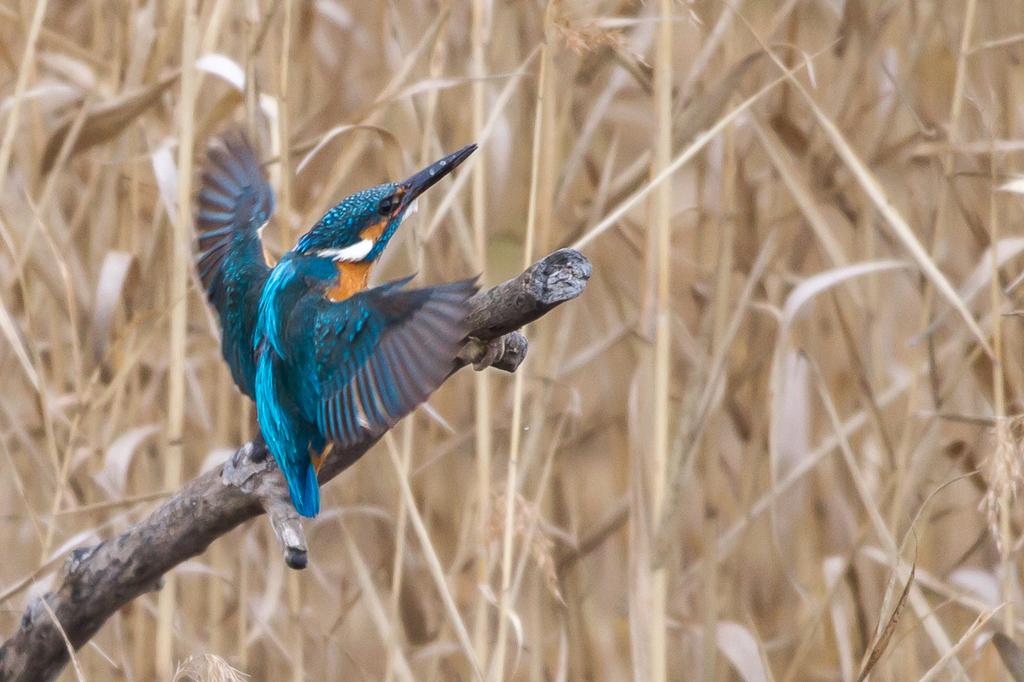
97	581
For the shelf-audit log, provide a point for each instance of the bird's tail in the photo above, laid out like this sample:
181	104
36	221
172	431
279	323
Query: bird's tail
305	492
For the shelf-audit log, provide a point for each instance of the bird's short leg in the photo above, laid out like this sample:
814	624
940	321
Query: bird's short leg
482	354
504	353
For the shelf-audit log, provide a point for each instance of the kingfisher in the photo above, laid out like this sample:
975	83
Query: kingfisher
327	359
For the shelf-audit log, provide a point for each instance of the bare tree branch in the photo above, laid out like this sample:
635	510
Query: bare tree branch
97	581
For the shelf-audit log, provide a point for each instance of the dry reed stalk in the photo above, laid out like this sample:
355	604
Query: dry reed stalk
940	227
398	566
346	161
681	160
923	94
661	262
479	36
178	287
377	611
25	72
284	195
434	564
497	671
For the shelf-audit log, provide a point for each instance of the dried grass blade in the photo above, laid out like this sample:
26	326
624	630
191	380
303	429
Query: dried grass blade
10	330
869	183
67	642
376	608
25	71
435	567
883	639
940	665
691	151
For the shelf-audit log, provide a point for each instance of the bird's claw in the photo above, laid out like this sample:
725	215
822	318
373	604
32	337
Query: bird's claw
483	354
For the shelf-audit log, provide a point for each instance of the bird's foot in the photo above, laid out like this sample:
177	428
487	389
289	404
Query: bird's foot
483	354
504	353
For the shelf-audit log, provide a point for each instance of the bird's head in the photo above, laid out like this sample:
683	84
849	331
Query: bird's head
358	229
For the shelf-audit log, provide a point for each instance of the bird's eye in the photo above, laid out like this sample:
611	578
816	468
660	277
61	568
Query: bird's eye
384	207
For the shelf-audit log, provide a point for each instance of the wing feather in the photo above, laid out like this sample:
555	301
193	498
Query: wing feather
392	349
233	202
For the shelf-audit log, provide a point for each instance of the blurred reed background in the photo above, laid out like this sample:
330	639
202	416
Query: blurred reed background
788	393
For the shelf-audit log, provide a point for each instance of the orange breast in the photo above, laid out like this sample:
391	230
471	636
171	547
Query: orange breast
352	278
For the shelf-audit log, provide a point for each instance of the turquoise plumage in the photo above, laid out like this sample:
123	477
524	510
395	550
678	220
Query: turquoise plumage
326	359
235	200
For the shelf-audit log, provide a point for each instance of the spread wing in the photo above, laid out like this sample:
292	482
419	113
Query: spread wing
234	201
382	352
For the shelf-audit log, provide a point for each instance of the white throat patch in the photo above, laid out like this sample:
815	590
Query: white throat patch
358	251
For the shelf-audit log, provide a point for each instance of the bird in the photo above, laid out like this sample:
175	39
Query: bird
330	360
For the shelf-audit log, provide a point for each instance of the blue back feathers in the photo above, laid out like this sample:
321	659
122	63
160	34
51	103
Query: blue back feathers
347	371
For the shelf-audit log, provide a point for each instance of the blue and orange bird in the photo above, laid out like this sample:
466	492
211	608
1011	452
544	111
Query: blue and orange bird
332	361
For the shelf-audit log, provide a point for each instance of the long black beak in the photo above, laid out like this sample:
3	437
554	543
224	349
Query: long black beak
428	177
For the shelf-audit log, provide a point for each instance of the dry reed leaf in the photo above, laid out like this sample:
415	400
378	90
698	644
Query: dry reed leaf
118	458
216	458
165	170
207	668
1011	655
497	110
901	229
985	584
10	330
67	642
53	94
223	67
109	290
1006	249
741	648
375	606
795	422
834	569
783	162
517	623
84	538
105	121
1016	186
687	154
440	580
885	636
